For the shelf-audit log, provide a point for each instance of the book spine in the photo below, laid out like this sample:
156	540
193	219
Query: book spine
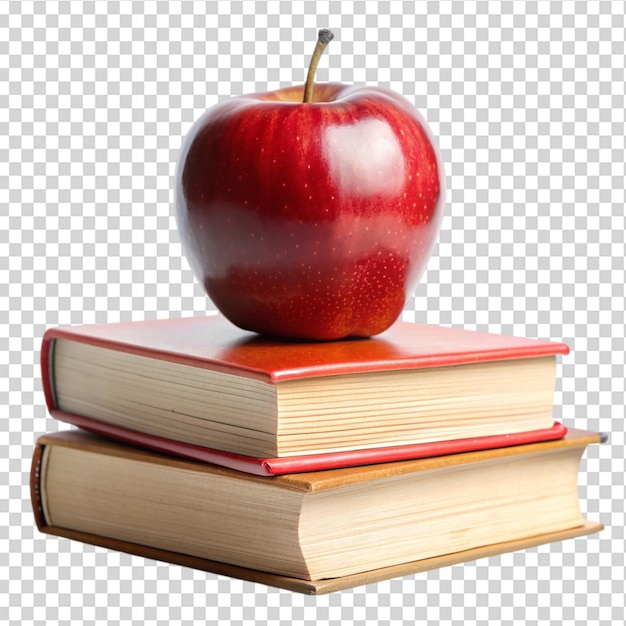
35	487
46	362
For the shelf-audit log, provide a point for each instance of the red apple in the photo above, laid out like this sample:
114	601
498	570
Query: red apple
310	219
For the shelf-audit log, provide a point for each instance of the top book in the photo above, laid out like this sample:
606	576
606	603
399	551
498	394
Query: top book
205	382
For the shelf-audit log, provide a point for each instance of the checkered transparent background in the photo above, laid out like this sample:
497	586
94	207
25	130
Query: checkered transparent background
527	101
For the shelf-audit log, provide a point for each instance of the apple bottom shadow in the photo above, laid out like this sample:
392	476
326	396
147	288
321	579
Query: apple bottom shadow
347	349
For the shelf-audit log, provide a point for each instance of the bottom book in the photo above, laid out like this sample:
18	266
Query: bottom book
316	532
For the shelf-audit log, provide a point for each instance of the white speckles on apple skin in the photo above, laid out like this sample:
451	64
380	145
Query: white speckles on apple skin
321	286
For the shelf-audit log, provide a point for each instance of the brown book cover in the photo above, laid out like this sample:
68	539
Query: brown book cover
315	482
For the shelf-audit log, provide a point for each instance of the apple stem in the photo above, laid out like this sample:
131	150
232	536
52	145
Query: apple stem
324	36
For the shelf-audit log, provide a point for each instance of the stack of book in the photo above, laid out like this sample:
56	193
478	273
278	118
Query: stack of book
309	466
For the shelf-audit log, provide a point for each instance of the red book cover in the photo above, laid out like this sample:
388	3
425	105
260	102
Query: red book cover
213	343
278	466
